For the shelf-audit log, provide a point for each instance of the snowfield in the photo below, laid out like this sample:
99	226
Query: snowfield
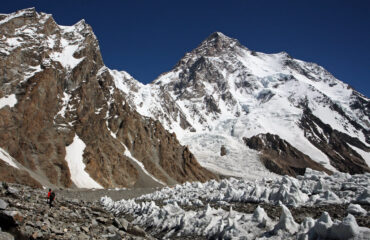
187	209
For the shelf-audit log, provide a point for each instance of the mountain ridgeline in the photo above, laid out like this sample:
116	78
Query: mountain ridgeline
68	120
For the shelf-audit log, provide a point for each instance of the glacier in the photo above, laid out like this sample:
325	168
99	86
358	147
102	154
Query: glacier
191	209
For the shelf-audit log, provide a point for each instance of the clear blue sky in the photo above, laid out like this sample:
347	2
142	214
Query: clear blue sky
147	38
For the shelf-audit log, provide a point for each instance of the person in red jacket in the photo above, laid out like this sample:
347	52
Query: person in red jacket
51	197
49	193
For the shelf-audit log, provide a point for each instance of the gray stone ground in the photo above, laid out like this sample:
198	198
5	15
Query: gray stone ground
95	195
75	214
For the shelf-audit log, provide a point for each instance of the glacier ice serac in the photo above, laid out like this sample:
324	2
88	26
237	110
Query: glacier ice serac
187	209
221	92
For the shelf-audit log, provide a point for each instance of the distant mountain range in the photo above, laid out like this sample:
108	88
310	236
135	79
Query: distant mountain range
68	120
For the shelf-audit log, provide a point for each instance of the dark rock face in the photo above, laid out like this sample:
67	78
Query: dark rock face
60	96
281	157
14	175
360	103
334	144
223	151
147	140
197	72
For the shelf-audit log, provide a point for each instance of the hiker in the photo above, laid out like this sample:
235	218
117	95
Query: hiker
51	197
5	186
49	193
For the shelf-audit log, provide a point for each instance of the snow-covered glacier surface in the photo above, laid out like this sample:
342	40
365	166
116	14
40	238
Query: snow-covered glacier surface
190	209
239	161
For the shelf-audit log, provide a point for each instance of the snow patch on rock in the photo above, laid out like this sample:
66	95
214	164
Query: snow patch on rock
4	155
74	158
65	57
10	101
128	154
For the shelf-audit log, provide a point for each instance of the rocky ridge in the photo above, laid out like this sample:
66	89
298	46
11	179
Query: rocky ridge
281	157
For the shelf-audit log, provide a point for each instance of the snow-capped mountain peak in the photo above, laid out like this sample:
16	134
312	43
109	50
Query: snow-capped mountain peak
215	44
222	89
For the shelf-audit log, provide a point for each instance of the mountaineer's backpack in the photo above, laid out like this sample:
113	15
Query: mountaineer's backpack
52	196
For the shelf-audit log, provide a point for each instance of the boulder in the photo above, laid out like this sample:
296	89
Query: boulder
14	217
356	209
94	223
83	236
12	191
6	236
3	204
57	231
101	220
112	229
85	229
223	151
121	223
37	235
136	230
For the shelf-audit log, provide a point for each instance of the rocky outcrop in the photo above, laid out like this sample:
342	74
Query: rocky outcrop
147	140
223	151
56	75
281	157
198	73
335	144
11	174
